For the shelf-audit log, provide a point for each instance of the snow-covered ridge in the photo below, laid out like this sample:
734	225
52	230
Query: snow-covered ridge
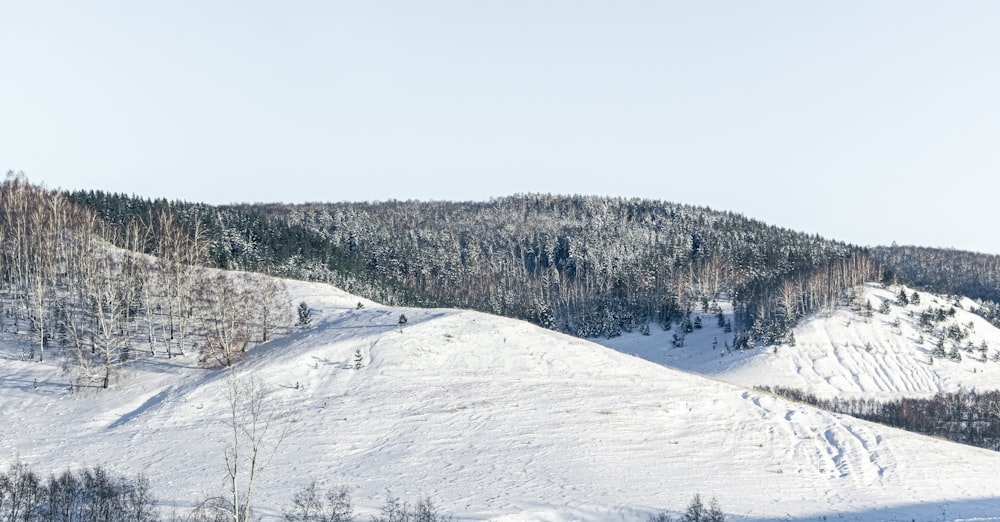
886	353
495	419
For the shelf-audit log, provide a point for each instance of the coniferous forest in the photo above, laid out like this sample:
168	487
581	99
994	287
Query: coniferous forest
945	271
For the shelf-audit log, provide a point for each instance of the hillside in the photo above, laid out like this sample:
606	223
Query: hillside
942	270
496	419
583	265
844	353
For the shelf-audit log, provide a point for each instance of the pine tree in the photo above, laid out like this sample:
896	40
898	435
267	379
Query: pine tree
305	315
902	299
939	348
714	513
695	511
358	359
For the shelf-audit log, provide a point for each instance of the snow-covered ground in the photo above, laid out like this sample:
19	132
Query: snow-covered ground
496	419
841	353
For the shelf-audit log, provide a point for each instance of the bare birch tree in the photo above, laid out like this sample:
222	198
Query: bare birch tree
255	433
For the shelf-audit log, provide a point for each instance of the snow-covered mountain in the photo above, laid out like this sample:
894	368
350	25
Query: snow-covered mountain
496	419
885	353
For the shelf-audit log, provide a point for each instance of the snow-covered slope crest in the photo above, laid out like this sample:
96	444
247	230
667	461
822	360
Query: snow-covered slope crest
887	352
494	419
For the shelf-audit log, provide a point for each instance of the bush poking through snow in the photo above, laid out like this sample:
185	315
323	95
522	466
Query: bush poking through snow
308	505
695	512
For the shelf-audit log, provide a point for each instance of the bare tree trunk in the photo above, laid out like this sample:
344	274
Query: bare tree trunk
255	434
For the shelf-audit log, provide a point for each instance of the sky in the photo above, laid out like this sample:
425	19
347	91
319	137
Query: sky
869	122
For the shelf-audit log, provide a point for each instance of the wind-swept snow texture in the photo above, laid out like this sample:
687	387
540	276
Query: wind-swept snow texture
842	353
494	419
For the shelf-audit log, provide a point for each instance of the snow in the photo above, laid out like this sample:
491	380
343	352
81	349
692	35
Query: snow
496	419
830	358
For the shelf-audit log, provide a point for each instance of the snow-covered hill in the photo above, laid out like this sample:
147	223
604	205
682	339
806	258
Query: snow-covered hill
845	353
495	419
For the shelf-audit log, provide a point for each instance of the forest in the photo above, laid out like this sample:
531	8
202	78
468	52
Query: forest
944	271
966	416
584	265
588	266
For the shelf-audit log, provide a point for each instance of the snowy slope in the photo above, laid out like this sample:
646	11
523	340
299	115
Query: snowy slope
496	420
842	353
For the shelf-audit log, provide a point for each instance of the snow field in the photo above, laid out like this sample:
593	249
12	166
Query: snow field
496	419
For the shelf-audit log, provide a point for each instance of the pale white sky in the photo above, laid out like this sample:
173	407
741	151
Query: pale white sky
864	121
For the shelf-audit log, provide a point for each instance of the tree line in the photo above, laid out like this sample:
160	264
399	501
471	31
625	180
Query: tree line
944	271
965	416
64	283
588	266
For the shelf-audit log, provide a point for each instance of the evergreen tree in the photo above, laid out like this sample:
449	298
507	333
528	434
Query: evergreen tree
358	359
695	511
902	299
939	348
714	513
305	315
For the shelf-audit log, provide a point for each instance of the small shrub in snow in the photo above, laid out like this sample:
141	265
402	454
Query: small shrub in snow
396	511
695	512
308	505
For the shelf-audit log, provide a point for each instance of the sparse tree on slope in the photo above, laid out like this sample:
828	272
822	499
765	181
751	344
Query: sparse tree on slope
255	434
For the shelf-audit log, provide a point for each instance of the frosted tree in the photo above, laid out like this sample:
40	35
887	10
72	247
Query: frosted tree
305	315
695	511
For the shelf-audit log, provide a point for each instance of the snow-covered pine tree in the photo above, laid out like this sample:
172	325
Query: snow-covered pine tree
305	315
